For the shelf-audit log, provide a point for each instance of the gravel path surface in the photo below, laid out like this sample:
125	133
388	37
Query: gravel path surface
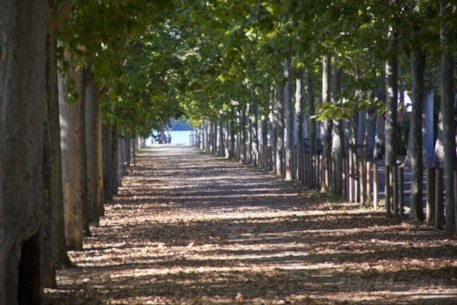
189	228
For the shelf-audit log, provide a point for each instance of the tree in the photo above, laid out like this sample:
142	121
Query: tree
447	110
54	251
23	91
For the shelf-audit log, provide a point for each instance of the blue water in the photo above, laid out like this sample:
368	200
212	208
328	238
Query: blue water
181	137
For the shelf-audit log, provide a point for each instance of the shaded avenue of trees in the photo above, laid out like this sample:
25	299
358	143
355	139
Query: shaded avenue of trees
81	80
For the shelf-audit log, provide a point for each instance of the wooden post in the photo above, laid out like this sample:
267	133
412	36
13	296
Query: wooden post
304	168
455	191
387	189
297	165
362	182
320	177
311	171
343	180
430	201
350	181
333	176
356	183
395	189
350	178
375	186
401	197
369	182
439	206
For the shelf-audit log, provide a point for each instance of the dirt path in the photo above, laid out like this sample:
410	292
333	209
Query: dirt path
188	228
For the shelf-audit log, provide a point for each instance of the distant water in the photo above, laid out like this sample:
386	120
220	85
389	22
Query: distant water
179	137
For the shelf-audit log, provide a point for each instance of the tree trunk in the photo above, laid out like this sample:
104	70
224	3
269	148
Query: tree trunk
93	150
271	136
109	142
289	119
328	124
54	250
378	150
255	133
311	113
428	128
391	101
338	136
448	112
2	256
299	113
249	133
417	166
70	130
23	30
119	151
106	158
87	205
279	134
361	129
221	136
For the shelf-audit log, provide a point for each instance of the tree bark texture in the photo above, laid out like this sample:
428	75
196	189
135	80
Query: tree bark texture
279	126
289	119
55	249
338	136
299	113
71	147
23	28
255	133
428	128
94	150
390	126
87	205
311	112
328	124
418	84
2	234
448	112
108	163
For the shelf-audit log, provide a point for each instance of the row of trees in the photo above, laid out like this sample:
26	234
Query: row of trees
331	70
65	128
78	77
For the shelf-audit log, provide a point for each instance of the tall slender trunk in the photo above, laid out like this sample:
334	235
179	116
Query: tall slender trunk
248	130
94	150
23	30
255	133
70	129
244	135
338	135
108	162
428	128
299	113
448	112
289	119
221	136
417	167
2	234
54	249
272	130
391	101
279	135
87	205
328	124
311	113
2	256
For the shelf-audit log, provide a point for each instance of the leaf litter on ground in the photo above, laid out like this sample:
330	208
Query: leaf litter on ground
189	228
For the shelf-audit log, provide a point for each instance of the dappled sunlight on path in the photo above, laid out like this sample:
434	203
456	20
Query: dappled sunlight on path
189	228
